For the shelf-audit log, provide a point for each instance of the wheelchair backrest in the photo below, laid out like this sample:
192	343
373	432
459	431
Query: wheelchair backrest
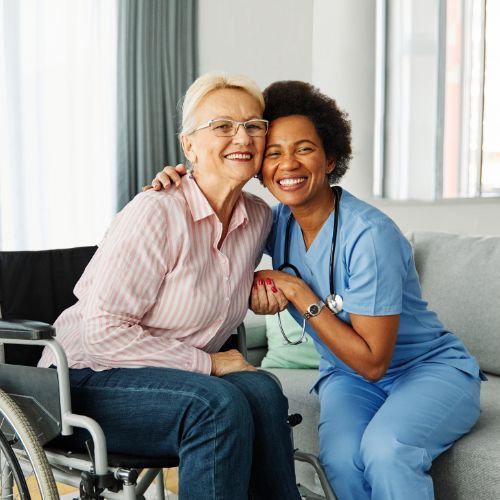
38	285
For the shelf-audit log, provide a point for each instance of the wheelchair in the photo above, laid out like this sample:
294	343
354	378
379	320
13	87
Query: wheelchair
35	403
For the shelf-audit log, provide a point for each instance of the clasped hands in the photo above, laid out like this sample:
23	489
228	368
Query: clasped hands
265	298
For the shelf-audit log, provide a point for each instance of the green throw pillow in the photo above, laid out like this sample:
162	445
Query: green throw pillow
280	355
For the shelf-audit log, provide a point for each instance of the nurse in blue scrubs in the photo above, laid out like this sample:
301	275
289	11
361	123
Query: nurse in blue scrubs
396	388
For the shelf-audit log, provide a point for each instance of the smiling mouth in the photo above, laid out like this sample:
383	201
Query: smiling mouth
239	156
291	182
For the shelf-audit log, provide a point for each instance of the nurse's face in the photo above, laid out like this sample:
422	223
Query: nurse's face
295	165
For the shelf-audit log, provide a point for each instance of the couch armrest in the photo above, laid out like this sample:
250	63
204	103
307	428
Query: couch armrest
23	329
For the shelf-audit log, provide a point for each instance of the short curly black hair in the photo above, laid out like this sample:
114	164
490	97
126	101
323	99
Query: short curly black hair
291	97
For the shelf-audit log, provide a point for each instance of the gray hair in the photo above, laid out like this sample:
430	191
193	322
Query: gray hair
209	82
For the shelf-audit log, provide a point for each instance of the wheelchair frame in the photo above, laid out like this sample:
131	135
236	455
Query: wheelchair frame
94	477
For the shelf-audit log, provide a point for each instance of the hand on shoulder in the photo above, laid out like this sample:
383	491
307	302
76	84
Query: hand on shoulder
168	176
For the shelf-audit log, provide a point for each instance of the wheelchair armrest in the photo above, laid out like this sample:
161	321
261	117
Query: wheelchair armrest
23	329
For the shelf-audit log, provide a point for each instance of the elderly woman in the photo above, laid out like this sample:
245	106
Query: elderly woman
167	287
396	388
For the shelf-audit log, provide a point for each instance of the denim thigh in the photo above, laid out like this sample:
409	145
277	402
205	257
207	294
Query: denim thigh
148	411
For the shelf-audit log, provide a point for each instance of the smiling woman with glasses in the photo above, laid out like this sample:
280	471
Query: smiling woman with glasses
166	288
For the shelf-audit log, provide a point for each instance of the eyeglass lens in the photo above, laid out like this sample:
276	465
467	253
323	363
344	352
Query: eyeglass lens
224	128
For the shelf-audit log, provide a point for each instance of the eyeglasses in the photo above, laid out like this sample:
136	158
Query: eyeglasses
223	127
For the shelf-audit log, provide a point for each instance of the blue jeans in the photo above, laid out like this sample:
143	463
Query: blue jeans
231	433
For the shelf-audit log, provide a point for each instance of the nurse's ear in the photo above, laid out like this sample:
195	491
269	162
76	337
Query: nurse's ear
330	165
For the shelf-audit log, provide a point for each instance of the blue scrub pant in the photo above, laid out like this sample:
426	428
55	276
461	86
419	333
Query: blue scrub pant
230	433
378	440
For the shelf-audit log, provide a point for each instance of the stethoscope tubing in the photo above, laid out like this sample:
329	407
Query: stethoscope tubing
337	190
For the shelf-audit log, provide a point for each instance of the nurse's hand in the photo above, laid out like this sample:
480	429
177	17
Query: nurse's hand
266	298
229	362
169	175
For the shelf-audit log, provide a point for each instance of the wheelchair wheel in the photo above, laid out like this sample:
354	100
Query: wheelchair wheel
25	471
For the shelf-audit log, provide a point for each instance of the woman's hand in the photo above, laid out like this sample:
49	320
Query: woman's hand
169	175
268	297
229	362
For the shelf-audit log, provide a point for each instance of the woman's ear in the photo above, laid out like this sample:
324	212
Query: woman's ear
330	165
187	146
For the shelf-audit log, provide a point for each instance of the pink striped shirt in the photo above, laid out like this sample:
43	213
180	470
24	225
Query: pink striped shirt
158	292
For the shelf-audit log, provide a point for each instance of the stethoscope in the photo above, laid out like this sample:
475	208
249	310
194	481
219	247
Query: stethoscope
334	301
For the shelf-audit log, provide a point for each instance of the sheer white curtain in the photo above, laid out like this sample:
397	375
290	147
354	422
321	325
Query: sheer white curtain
57	122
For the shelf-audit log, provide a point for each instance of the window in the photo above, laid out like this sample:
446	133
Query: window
57	122
438	99
490	171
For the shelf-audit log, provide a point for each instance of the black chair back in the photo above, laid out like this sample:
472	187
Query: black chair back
38	285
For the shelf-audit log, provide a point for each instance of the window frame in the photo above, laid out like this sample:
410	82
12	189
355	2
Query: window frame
466	157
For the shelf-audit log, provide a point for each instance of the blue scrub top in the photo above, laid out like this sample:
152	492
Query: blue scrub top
374	272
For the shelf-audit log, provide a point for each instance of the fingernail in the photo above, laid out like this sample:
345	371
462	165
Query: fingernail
260	282
268	281
274	289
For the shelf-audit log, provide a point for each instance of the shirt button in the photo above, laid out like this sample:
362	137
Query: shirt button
227	299
226	278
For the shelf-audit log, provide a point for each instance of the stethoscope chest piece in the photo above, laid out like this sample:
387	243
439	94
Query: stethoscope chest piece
335	303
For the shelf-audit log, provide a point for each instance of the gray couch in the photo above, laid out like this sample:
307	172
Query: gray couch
460	278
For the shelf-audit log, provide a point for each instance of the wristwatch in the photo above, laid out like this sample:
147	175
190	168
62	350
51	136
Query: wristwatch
314	309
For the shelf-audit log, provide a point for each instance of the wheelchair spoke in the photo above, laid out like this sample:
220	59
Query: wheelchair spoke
8	480
5	474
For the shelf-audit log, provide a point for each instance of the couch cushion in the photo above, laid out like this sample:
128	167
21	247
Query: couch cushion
255	329
471	468
460	278
283	355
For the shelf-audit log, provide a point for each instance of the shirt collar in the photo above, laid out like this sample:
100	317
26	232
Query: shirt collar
201	209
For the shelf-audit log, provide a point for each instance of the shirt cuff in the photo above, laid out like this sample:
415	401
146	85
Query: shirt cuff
202	362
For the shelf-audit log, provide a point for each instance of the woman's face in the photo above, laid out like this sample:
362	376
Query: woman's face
236	158
295	165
